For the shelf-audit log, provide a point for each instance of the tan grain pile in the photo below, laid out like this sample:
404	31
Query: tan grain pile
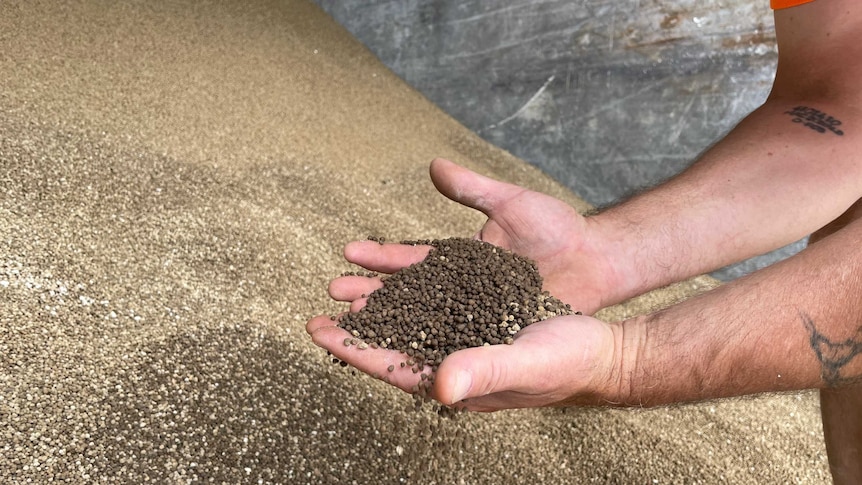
178	179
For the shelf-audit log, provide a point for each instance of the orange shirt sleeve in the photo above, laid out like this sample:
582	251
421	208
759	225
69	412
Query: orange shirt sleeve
779	4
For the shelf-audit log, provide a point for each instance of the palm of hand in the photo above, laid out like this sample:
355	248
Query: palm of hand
551	233
537	226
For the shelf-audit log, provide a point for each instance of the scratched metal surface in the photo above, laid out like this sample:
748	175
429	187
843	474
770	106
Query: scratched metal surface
606	96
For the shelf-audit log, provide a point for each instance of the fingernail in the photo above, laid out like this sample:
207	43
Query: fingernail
463	382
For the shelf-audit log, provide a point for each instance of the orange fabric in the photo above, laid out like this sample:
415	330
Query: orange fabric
779	4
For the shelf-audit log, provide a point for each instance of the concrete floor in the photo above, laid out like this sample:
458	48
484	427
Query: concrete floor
607	97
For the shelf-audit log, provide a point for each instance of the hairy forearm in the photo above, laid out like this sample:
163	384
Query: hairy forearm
771	181
795	325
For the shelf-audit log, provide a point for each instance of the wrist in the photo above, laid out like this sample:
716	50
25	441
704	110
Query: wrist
619	385
611	381
606	243
629	338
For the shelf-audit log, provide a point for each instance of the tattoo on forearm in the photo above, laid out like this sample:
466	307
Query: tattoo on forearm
833	356
815	119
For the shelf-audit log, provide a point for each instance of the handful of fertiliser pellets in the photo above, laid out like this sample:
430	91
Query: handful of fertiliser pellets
465	293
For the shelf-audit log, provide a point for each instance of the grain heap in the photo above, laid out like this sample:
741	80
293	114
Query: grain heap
465	293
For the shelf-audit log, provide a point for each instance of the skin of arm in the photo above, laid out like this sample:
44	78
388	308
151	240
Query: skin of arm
794	325
770	181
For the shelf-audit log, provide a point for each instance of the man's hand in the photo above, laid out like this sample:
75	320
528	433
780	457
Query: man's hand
561	361
563	243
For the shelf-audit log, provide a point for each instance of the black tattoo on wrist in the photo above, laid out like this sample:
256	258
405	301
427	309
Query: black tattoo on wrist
833	356
815	119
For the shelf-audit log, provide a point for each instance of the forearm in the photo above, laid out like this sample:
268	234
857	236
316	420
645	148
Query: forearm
770	182
795	325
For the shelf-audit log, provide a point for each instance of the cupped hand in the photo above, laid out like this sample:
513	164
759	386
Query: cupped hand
573	263
561	361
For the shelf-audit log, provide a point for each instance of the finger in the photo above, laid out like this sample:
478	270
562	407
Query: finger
471	373
319	322
469	188
384	258
482	376
350	288
358	304
548	364
492	402
327	334
504	400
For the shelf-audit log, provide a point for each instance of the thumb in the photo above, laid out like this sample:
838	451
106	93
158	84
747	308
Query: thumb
477	372
469	188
